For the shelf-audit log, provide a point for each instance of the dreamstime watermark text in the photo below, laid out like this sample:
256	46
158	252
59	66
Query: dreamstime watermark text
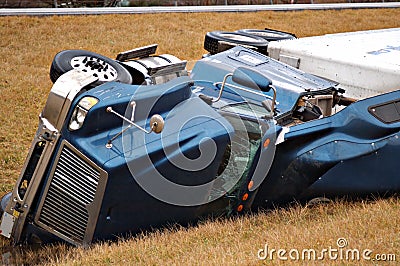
340	252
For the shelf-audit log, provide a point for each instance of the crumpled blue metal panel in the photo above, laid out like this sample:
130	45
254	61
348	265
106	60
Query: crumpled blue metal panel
290	82
338	153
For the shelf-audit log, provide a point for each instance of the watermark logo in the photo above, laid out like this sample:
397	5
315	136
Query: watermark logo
387	49
156	160
340	252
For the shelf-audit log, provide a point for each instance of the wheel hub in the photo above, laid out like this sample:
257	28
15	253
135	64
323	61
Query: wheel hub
94	66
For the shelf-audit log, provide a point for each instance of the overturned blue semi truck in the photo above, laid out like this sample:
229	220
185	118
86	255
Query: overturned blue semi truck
138	142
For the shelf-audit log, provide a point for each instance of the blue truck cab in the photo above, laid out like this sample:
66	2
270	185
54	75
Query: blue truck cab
240	132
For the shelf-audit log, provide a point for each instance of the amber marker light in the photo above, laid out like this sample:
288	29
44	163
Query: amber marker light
266	143
250	185
245	197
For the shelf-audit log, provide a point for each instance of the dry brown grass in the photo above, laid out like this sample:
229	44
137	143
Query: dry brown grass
27	46
365	225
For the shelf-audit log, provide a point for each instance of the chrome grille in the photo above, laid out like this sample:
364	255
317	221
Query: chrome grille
73	185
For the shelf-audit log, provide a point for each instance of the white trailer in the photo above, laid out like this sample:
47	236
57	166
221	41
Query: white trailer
365	63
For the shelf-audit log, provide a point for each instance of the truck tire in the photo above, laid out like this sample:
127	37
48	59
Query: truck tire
212	41
106	69
269	35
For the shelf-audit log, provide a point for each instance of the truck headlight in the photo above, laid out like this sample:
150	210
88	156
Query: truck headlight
80	112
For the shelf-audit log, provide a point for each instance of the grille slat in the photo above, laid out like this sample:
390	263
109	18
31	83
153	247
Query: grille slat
91	185
72	187
52	203
65	164
66	187
69	155
64	226
62	220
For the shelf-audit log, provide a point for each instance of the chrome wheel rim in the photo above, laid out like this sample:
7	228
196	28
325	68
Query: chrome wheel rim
95	67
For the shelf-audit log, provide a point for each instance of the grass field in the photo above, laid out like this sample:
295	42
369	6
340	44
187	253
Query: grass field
27	46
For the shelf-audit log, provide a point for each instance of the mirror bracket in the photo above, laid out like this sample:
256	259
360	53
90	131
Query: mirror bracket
252	79
156	123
